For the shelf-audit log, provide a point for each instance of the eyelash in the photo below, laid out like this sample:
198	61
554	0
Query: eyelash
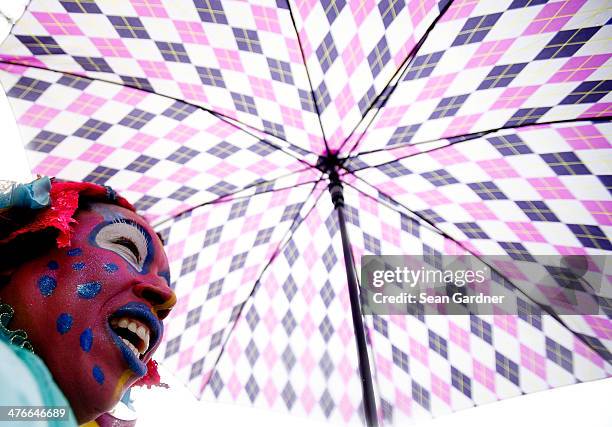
135	244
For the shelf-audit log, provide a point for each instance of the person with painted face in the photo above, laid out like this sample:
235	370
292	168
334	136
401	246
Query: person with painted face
84	287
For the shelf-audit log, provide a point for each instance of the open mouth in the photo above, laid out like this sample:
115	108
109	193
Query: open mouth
136	331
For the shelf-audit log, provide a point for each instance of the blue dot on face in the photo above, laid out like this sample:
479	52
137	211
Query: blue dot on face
110	267
86	340
53	265
98	374
64	323
46	285
78	266
89	290
75	252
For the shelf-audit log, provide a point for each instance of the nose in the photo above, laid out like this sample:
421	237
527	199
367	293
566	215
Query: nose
161	297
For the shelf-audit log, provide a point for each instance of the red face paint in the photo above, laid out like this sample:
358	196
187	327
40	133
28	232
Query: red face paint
80	305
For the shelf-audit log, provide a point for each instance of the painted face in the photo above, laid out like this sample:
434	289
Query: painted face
93	311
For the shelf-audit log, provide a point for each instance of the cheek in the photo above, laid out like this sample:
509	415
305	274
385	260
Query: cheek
70	289
63	286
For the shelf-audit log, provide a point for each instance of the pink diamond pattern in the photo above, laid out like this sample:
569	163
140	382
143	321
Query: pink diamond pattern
220	298
371	40
494	140
483	94
469	370
175	143
128	42
326	385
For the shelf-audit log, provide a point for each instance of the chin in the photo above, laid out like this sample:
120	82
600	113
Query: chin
88	406
86	414
88	399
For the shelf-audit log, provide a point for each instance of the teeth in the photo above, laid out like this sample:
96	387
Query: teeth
143	334
137	328
131	347
133	327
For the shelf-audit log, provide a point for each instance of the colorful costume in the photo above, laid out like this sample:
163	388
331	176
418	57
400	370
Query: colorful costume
25	379
34	195
35	385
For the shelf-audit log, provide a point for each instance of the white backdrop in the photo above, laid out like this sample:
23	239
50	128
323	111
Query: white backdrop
13	165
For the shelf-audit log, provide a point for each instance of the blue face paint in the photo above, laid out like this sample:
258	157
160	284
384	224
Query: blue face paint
46	285
110	267
98	374
78	266
53	265
89	290
64	323
86	340
75	252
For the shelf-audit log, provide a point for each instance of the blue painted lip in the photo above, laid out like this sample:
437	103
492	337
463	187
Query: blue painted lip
141	312
133	362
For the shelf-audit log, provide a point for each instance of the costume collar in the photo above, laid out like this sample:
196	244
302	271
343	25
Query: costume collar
18	337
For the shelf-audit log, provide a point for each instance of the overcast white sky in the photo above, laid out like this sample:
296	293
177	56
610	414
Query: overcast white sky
582	405
13	165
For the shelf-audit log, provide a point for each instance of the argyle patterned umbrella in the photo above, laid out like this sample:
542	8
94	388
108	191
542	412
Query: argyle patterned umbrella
455	127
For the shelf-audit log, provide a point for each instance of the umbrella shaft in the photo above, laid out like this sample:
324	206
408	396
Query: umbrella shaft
369	399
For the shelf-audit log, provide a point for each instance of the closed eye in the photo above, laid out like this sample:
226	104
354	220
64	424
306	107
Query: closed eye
126	239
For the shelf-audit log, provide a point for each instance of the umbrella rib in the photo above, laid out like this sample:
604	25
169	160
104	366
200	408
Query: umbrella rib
399	72
297	221
220	116
249	130
312	91
466	137
544	308
14	22
228	195
425	222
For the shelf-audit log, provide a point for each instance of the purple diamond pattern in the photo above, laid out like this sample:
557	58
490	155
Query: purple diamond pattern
353	49
487	66
229	233
292	348
143	145
515	187
249	52
521	205
430	365
467	127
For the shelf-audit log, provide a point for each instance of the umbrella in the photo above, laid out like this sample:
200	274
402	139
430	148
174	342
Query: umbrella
451	127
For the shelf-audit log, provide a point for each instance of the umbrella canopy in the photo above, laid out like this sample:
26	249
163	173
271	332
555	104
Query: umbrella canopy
452	127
